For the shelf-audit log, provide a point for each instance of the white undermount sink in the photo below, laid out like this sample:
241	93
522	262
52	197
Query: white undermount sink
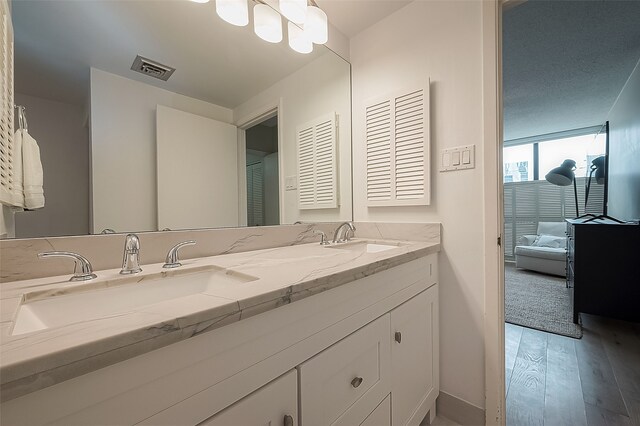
364	247
120	296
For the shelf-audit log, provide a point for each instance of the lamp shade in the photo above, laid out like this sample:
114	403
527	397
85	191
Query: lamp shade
316	26
267	23
298	40
235	12
563	175
294	10
599	165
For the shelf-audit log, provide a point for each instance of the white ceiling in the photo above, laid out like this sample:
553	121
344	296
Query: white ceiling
57	41
565	62
353	16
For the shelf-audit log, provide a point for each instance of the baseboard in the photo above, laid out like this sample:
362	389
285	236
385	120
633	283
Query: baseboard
459	411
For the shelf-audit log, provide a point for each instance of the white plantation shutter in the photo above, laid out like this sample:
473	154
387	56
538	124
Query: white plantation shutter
527	203
6	103
318	164
397	140
378	131
255	194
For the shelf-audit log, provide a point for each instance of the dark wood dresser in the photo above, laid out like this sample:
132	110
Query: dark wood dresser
603	268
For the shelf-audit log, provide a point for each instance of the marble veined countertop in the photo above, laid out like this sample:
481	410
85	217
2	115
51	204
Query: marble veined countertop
266	279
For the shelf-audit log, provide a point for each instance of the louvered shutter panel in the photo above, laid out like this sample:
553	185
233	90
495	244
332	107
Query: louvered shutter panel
397	141
255	194
318	164
6	102
528	203
378	134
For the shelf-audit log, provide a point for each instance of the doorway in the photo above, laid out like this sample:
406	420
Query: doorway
562	364
262	173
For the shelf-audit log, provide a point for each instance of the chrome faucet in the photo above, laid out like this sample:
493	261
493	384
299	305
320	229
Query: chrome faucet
86	271
172	260
131	256
343	236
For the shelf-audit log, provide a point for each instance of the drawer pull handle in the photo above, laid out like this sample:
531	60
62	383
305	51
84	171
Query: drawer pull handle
398	337
356	382
288	420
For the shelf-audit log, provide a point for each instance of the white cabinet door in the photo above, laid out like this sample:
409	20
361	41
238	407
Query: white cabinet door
345	383
414	360
275	404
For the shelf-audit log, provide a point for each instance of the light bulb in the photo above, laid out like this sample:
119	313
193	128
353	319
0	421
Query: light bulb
298	40
316	26
200	1
267	23
294	10
235	12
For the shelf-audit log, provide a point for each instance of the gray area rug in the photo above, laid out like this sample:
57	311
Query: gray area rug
539	301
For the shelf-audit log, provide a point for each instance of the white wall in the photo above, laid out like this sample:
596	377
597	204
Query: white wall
624	152
317	89
63	137
441	40
123	148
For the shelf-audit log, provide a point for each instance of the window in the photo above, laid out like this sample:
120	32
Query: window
533	160
518	163
582	149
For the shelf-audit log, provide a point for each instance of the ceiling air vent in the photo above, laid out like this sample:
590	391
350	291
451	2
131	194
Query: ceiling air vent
152	68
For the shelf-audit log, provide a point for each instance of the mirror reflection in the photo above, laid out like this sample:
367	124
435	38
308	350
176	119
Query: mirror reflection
155	115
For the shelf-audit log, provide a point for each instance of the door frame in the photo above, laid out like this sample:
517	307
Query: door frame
495	396
257	116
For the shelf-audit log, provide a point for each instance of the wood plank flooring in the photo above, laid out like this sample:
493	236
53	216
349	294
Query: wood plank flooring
555	380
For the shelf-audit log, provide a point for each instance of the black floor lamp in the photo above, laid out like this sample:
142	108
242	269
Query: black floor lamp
564	176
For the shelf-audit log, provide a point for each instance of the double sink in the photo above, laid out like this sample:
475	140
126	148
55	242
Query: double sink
113	297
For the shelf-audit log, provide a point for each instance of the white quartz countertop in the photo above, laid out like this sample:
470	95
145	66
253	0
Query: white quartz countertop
270	278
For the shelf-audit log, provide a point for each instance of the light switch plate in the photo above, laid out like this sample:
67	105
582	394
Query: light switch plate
290	183
458	158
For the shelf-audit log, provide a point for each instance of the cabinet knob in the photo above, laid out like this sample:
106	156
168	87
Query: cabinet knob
356	382
398	337
288	420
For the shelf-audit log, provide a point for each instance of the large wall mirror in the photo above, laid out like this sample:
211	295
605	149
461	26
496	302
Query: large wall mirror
243	132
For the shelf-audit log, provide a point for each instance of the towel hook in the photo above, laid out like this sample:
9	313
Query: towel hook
22	118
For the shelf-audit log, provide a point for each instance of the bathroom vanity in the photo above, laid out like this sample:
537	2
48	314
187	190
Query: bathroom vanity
345	334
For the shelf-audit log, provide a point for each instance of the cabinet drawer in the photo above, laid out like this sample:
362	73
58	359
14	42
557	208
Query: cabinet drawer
381	416
350	375
274	404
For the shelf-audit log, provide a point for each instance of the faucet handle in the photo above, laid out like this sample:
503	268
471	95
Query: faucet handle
172	260
323	237
86	271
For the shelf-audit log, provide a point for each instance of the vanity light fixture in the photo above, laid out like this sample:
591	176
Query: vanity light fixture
267	23
316	26
294	10
307	23
235	12
298	40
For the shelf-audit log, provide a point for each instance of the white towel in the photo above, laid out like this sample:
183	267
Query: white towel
18	190
32	176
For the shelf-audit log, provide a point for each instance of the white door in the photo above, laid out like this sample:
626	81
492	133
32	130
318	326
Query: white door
197	171
414	341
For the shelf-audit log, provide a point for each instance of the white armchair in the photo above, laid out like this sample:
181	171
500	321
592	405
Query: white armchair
545	252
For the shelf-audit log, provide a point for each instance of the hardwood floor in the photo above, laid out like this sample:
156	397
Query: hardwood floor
555	380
